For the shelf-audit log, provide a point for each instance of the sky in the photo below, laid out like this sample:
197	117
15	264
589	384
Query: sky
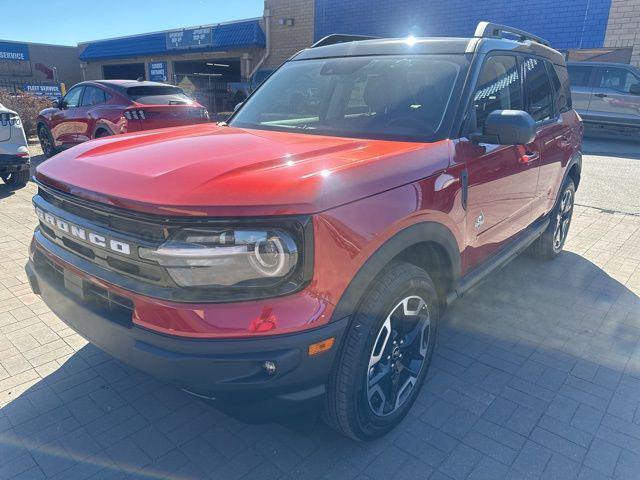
70	22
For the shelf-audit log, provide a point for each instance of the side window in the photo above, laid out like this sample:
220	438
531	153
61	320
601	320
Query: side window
539	90
72	98
561	87
580	76
93	96
499	87
619	79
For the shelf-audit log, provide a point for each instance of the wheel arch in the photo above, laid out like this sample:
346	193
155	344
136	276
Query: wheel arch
101	127
574	169
428	245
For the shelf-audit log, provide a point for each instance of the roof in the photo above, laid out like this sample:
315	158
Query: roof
429	45
224	36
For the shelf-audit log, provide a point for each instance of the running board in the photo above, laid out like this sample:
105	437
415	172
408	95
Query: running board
498	261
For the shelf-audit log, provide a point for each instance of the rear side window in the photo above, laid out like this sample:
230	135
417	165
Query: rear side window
580	76
93	96
158	95
619	79
499	87
539	91
561	87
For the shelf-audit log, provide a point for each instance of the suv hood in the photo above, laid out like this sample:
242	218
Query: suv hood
218	170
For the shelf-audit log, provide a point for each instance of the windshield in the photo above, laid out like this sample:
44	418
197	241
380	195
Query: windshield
158	95
390	97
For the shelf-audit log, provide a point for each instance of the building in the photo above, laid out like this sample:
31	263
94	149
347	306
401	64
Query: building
205	60
568	25
37	68
216	62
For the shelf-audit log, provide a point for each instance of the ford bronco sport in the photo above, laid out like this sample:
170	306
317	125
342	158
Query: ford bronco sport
304	250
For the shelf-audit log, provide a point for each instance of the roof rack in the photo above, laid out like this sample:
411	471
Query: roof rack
341	38
495	30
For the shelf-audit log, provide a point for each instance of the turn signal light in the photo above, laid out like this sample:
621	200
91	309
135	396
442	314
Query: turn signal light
322	346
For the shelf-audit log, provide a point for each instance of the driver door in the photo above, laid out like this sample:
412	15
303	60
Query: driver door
64	122
502	179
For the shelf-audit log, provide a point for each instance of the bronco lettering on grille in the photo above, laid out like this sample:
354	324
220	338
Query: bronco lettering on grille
82	234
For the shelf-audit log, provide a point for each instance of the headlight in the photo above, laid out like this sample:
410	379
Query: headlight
225	257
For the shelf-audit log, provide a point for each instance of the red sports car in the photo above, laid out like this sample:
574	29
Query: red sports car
107	107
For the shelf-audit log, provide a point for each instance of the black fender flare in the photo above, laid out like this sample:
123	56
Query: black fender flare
101	126
576	159
406	238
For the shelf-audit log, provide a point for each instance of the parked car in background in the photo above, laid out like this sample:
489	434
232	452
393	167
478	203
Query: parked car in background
14	152
107	107
606	93
304	251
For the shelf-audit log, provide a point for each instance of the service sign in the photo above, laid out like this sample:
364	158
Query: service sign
192	38
14	59
14	52
51	91
158	71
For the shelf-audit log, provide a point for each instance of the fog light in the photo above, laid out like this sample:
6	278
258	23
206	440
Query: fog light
270	367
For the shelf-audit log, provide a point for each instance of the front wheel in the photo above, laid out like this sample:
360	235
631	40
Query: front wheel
551	242
46	141
386	354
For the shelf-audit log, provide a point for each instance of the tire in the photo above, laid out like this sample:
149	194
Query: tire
17	179
46	141
354	406
549	245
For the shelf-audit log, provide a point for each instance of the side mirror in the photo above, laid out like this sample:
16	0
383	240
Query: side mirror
238	105
635	89
507	127
56	104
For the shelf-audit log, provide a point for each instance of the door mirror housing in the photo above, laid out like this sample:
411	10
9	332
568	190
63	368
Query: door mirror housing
507	127
635	89
57	103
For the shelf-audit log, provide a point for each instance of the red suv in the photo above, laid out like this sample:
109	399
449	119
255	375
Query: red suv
305	250
108	107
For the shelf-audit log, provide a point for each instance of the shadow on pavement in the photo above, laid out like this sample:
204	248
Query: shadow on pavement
538	348
611	143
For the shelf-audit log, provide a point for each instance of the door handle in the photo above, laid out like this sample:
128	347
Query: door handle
528	157
600	95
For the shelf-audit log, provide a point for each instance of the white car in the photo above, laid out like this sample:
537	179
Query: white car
15	162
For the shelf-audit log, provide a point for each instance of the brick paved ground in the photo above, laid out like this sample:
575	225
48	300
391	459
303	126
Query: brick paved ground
536	375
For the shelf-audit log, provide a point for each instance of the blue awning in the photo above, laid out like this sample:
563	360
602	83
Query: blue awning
227	36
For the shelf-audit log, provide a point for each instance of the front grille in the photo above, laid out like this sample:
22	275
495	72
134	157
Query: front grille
115	307
92	219
145	231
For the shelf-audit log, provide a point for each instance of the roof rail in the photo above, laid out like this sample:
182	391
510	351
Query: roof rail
341	38
495	30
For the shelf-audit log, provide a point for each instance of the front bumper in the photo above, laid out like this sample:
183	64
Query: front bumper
13	164
224	369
